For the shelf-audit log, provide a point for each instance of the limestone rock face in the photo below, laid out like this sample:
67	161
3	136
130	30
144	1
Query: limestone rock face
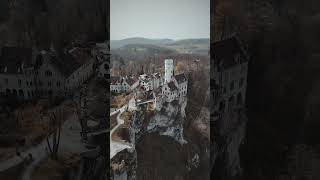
168	122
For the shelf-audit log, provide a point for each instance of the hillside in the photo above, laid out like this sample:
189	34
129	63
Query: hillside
140	51
189	46
114	44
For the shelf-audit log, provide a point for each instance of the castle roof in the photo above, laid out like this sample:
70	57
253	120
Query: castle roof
180	78
225	52
131	81
157	75
114	79
67	63
172	86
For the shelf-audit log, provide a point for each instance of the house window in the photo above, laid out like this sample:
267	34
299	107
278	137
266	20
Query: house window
31	83
19	82
48	73
27	83
58	83
6	81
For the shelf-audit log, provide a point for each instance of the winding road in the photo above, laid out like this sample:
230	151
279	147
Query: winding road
116	146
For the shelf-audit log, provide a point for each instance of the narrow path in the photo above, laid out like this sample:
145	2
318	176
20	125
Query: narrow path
116	147
145	102
69	141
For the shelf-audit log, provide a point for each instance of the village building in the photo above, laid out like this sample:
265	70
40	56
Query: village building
150	82
115	84
123	84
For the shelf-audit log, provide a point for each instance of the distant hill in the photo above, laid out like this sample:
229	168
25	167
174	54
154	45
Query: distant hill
192	46
141	50
138	40
191	41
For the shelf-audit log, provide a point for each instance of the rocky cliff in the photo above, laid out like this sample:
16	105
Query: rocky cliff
169	121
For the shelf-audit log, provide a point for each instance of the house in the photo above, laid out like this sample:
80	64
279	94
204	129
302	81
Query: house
181	83
115	84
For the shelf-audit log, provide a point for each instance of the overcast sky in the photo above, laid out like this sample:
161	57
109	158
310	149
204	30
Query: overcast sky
174	19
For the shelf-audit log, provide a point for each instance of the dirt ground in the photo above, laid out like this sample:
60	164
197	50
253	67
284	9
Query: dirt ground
54	169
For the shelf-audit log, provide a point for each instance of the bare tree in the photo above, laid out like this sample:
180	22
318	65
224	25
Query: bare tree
56	118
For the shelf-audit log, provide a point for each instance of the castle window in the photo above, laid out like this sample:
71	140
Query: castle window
40	83
27	82
232	86
31	83
58	83
49	83
19	82
6	81
48	73
241	82
21	93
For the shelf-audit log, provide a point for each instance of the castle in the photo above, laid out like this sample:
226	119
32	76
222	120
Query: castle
229	79
165	88
26	73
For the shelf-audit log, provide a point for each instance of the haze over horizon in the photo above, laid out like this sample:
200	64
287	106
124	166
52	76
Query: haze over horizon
165	19
158	38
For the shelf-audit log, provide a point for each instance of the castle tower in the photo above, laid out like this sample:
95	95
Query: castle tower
168	69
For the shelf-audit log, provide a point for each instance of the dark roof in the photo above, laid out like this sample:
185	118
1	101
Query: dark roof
114	79
180	78
131	81
81	55
67	63
157	75
225	51
172	86
14	57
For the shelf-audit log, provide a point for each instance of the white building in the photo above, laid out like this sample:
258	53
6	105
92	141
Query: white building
27	75
150	82
115	84
123	84
181	82
170	91
168	69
